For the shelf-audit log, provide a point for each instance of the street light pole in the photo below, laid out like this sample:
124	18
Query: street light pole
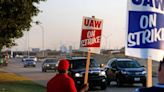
38	23
42	39
28	53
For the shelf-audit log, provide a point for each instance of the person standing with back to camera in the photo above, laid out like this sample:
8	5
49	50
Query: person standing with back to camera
158	87
62	82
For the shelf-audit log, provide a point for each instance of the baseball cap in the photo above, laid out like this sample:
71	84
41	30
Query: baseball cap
63	65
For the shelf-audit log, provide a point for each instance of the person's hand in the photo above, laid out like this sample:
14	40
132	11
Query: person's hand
84	87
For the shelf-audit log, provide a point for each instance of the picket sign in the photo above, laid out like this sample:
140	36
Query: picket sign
145	32
90	39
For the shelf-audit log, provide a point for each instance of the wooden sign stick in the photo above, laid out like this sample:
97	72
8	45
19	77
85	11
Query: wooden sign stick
87	67
149	73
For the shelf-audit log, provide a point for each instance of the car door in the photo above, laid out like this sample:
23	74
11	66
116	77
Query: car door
113	70
110	71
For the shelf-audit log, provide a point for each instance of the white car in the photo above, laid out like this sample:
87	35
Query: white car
33	57
29	62
24	58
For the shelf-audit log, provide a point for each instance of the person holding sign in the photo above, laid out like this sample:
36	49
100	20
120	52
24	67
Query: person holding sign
62	82
160	86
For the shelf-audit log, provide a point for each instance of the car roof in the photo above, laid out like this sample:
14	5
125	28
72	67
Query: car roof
32	56
75	58
25	56
50	58
29	59
124	59
45	60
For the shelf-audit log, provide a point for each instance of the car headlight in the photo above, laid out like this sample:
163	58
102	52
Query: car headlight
124	72
34	62
143	72
47	65
102	73
78	75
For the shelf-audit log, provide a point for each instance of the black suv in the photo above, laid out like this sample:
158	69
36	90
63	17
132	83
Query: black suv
124	70
96	76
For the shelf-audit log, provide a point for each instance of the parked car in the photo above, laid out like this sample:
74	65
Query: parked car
49	64
29	62
96	76
124	70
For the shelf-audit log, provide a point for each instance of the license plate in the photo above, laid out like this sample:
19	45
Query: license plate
136	79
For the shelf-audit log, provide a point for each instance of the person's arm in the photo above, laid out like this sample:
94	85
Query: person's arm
84	88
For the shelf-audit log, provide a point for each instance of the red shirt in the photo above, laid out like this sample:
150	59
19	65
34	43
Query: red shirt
61	83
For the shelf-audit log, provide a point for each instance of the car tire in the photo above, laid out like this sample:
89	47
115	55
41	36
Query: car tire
103	87
43	70
144	84
108	82
119	83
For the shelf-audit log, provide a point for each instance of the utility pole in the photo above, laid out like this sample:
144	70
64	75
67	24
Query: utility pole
42	28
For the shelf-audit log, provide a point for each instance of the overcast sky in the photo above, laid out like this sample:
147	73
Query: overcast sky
62	20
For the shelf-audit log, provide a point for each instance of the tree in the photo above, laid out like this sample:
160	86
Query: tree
15	17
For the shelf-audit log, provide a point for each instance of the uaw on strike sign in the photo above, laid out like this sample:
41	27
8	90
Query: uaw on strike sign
91	34
145	36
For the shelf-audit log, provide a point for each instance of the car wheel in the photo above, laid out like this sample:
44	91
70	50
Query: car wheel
103	87
108	82
43	70
119	82
144	84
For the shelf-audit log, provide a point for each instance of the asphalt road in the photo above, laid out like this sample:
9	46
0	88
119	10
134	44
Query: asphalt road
36	75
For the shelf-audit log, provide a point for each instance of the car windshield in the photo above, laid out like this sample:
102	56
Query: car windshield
81	63
51	61
32	57
128	64
29	61
25	57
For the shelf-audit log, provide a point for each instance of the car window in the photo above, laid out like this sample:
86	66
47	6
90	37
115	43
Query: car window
109	62
51	61
113	64
81	63
29	61
32	57
25	57
128	64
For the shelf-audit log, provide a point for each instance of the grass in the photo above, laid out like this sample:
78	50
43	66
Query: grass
12	83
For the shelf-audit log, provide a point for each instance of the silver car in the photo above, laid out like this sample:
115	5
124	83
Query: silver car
33	57
29	62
